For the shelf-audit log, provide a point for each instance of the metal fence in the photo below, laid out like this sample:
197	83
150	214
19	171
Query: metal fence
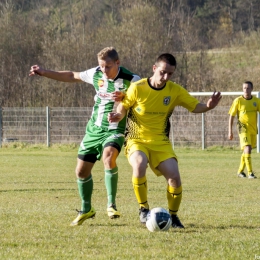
63	125
43	125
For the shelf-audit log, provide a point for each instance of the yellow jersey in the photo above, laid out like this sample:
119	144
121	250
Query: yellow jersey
150	109
246	112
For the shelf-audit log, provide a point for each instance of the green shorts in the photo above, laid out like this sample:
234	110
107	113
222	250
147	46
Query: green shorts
96	138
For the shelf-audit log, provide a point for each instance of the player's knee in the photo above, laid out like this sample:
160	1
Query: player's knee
139	172
174	179
80	173
139	166
175	182
138	160
109	161
247	149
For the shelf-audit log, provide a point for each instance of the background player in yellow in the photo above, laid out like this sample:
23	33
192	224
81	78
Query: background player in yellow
245	108
150	103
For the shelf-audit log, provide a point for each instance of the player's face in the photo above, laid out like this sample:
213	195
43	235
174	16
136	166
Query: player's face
162	73
247	89
109	67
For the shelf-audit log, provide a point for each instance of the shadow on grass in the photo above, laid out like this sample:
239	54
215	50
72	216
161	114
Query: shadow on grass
35	190
220	227
110	224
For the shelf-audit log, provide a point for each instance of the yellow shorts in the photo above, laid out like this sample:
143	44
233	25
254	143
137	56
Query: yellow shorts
247	139
156	153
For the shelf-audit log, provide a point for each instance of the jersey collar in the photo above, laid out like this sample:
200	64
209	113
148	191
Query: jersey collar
148	81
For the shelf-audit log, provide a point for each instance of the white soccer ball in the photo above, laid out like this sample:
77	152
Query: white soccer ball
158	219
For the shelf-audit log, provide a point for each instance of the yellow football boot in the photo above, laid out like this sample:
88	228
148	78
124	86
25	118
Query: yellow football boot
82	217
112	212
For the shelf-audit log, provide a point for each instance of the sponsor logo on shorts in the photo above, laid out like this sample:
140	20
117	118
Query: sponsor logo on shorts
82	146
115	136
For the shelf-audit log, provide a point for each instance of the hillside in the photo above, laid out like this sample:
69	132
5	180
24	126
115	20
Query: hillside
66	35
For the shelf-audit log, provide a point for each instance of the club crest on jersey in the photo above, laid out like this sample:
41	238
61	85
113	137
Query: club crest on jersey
166	100
254	104
101	83
138	109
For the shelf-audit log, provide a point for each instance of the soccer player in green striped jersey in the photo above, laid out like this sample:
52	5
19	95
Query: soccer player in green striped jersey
150	103
245	108
102	138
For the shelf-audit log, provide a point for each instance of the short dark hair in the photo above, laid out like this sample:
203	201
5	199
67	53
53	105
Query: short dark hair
167	58
249	83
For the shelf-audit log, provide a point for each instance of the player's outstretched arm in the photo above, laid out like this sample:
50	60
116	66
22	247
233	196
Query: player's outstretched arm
212	103
118	116
65	76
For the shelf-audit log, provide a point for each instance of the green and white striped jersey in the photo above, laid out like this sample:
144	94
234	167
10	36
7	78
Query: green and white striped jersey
103	101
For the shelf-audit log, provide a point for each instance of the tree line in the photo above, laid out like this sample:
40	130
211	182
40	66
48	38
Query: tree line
216	44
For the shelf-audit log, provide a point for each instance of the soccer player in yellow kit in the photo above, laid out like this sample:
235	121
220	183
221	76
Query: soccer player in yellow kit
150	103
245	108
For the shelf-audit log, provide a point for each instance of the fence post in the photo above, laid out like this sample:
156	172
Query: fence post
258	126
203	131
1	126
48	125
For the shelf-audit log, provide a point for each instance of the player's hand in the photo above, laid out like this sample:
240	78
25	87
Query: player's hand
230	136
117	96
214	100
114	117
36	70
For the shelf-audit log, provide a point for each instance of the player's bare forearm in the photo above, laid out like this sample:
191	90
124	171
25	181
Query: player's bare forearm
64	76
230	126
212	103
119	115
201	108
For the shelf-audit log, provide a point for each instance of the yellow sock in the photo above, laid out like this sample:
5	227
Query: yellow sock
140	189
242	163
248	162
174	196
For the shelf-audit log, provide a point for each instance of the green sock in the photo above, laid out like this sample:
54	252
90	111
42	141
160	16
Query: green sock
111	179
85	187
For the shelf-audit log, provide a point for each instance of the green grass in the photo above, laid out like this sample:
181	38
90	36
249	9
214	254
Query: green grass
38	198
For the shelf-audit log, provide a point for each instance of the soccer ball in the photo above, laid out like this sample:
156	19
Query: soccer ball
158	219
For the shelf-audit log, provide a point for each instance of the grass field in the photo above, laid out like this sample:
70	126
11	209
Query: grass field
38	198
